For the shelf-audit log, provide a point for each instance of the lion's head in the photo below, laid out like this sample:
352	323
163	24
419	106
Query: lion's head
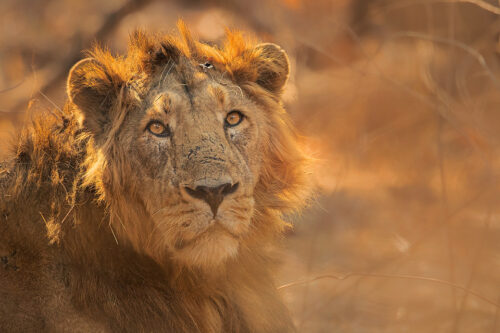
192	150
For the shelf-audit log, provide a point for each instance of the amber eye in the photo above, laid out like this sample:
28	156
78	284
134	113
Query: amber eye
157	128
234	118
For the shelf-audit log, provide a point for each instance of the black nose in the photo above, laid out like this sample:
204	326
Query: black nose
213	196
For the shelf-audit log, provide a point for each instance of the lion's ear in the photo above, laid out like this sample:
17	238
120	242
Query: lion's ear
93	90
273	67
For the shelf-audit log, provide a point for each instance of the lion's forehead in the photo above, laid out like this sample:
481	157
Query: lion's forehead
204	87
203	102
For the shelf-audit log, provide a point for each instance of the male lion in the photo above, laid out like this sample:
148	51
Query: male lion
152	202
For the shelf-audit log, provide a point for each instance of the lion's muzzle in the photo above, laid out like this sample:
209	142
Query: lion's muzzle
212	195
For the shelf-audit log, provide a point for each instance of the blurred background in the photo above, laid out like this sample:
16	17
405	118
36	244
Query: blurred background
400	102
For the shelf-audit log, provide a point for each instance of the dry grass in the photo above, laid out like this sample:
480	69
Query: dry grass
400	102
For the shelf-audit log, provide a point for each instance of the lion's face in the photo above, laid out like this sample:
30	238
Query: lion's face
188	150
197	153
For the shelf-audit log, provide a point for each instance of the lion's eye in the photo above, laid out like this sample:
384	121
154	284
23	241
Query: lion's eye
157	128
234	118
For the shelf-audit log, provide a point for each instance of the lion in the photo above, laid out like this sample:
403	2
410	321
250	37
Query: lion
154	200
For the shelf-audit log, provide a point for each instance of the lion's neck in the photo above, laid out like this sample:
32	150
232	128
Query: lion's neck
237	297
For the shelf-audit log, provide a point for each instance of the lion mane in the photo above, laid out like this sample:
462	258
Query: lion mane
77	255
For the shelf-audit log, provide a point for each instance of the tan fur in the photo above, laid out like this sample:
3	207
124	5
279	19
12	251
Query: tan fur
98	229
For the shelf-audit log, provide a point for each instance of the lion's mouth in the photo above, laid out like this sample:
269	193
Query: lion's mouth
215	227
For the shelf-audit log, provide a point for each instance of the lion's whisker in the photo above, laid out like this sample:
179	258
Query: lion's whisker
112	232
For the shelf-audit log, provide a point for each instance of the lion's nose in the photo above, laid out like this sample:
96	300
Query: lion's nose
212	195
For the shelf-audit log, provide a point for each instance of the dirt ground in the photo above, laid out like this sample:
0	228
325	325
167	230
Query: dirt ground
399	103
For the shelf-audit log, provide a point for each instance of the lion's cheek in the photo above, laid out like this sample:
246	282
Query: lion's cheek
236	215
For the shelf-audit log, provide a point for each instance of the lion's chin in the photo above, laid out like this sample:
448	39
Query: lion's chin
210	250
